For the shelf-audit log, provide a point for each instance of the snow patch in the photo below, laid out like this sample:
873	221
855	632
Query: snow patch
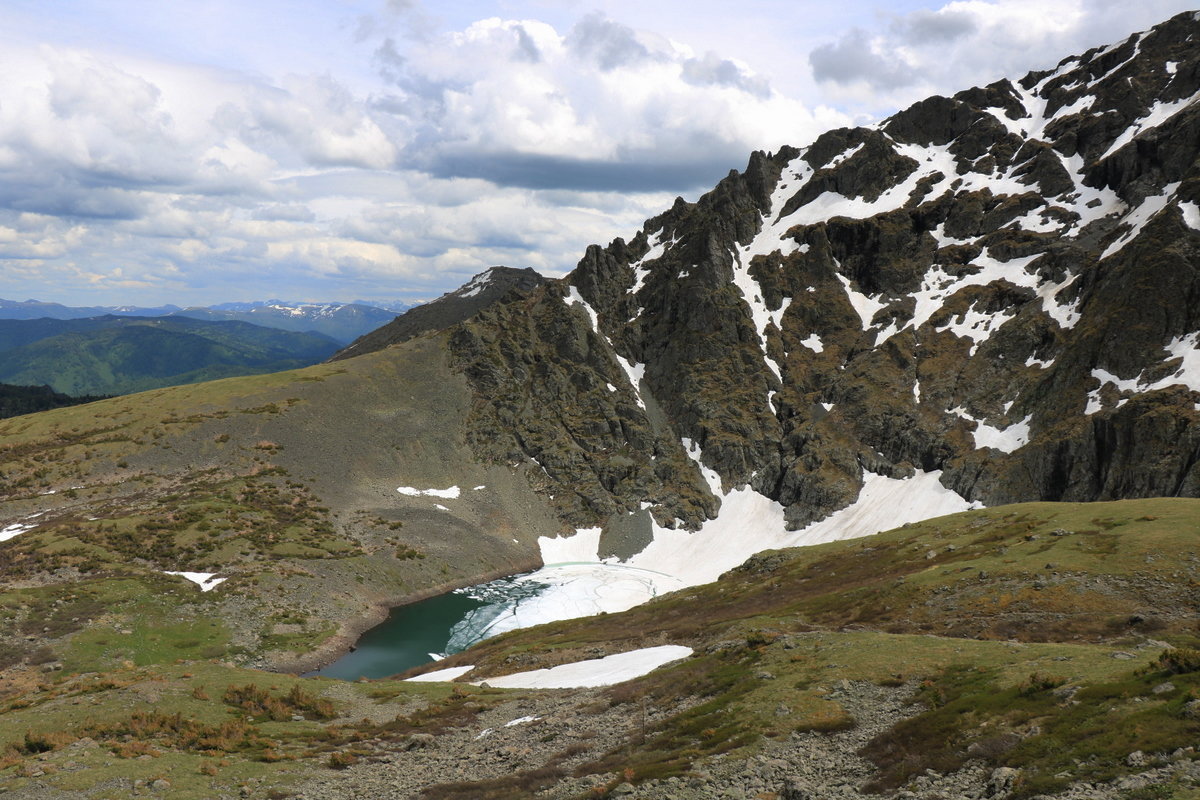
595	672
710	475
1191	215
1138	218
864	305
814	343
16	529
477	284
450	494
1006	439
1185	348
520	721
574	298
580	547
207	581
1156	115
447	674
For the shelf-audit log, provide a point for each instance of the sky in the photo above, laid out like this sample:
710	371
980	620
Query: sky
204	151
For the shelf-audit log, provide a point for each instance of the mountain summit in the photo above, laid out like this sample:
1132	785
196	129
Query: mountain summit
999	286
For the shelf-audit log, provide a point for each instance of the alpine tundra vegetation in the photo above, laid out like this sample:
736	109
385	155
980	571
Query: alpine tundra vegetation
897	434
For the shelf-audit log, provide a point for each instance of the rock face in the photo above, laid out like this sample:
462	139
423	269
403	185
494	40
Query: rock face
484	289
1001	285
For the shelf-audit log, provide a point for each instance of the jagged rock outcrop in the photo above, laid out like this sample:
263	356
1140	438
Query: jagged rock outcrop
486	288
1003	285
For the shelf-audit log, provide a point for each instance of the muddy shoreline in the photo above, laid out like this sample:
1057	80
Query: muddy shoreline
349	631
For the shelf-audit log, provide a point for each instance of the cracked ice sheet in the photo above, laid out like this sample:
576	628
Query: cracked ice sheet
580	590
595	672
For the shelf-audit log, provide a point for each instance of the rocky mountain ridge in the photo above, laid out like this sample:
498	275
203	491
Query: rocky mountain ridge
1001	286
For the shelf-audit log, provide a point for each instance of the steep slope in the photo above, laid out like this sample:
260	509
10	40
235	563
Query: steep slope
117	355
999	287
483	290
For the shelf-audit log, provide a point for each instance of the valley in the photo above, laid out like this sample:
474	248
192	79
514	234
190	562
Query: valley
893	440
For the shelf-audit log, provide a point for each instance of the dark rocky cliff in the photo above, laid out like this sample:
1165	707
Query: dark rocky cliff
1002	285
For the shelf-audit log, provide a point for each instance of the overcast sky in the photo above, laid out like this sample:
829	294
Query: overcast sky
199	151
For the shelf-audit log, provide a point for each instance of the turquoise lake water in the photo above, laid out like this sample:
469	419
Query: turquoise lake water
441	625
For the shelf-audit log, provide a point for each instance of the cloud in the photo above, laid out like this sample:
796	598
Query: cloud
601	106
712	70
856	58
968	43
607	44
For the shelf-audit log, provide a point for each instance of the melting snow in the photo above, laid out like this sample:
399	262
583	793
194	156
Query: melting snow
520	721
749	523
814	343
1158	113
595	672
710	475
447	674
977	326
15	529
477	284
772	238
640	270
1006	439
1138	218
864	305
449	494
1191	215
1185	348
205	580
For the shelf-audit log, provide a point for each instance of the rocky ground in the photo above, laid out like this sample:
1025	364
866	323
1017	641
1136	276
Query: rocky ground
566	729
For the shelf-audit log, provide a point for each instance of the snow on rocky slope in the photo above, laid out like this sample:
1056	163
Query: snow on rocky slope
995	294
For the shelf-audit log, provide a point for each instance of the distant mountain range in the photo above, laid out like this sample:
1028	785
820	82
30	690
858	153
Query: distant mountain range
118	355
343	322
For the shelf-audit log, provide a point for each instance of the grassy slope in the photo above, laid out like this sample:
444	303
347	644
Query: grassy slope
285	483
785	629
992	610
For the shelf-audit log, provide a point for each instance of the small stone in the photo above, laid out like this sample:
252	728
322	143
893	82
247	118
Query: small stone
1136	759
419	741
161	785
1191	709
1122	655
1001	781
1163	688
